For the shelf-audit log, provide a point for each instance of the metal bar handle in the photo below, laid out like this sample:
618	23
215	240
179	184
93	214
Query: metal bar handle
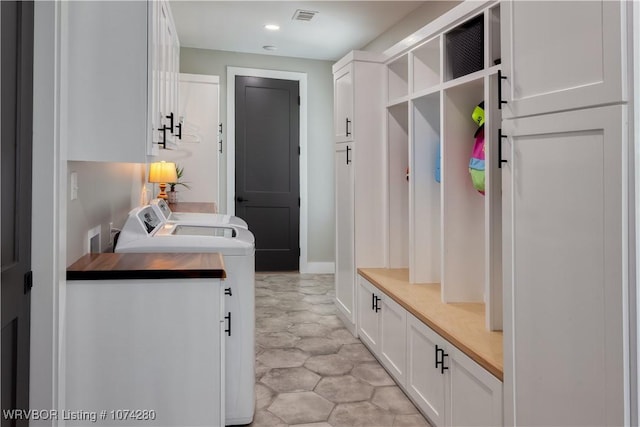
500	160
500	79
228	318
348	159
346	125
378	299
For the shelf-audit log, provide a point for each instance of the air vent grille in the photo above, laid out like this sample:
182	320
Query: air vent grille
303	15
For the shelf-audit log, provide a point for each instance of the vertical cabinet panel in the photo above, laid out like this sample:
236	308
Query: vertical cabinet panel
425	384
345	268
544	69
567	203
368	325
393	338
343	101
476	395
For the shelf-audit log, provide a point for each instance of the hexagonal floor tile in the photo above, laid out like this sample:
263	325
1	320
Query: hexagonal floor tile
264	396
265	418
343	336
310	330
360	414
415	420
323	309
344	389
273	324
283	358
290	379
356	353
303	317
331	321
276	340
372	373
313	290
318	345
329	364
300	408
318	299
394	400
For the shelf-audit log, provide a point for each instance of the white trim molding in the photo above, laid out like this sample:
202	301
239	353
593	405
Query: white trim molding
232	72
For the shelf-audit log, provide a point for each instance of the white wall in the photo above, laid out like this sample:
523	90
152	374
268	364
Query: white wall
198	151
106	193
410	24
320	138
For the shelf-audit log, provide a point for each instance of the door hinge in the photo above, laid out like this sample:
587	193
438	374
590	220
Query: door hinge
28	282
298	100
298	201
298	150
299	252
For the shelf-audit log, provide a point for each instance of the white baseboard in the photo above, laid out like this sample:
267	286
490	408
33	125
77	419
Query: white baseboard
318	268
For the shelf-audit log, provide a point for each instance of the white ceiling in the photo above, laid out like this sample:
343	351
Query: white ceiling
238	26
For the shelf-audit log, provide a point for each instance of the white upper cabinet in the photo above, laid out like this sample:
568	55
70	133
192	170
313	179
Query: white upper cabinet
119	79
343	101
561	55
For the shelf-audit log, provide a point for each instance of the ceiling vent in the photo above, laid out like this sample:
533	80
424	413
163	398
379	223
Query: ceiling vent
303	15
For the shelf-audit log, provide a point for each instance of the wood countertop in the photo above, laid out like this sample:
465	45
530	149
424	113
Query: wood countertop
196	207
126	266
462	324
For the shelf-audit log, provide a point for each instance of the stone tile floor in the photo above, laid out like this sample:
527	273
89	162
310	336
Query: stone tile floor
310	371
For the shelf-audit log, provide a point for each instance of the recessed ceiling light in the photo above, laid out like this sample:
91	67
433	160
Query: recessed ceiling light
272	27
269	47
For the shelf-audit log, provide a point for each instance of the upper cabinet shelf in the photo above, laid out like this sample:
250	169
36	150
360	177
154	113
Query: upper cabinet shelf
426	65
398	78
464	49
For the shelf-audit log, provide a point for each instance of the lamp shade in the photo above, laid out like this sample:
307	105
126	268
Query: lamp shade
163	172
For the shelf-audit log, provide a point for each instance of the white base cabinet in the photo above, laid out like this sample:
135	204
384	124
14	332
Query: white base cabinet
447	386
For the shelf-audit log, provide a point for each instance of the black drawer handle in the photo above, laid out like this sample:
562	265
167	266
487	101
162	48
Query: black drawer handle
228	318
227	291
440	360
346	125
348	159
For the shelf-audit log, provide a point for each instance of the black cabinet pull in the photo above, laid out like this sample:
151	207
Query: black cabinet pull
227	291
500	160
500	79
373	302
228	318
220	142
348	151
346	125
377	306
170	117
179	134
164	130
440	362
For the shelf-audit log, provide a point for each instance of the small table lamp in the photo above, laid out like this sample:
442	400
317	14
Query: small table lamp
162	173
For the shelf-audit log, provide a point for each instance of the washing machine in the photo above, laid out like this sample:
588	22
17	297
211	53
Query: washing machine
145	231
164	212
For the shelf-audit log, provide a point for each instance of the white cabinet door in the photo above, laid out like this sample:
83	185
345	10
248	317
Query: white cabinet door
475	396
368	318
105	80
343	94
566	290
345	268
560	55
425	384
393	338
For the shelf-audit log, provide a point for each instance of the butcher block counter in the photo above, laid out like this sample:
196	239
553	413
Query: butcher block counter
147	266
143	339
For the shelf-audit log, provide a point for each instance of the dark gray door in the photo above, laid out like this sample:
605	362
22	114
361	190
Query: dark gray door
16	92
267	168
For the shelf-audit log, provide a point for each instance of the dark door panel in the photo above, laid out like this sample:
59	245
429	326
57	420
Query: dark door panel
267	168
16	93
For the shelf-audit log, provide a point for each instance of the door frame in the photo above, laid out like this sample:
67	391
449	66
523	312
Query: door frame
301	78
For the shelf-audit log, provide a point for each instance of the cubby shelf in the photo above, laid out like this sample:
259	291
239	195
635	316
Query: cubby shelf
443	231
